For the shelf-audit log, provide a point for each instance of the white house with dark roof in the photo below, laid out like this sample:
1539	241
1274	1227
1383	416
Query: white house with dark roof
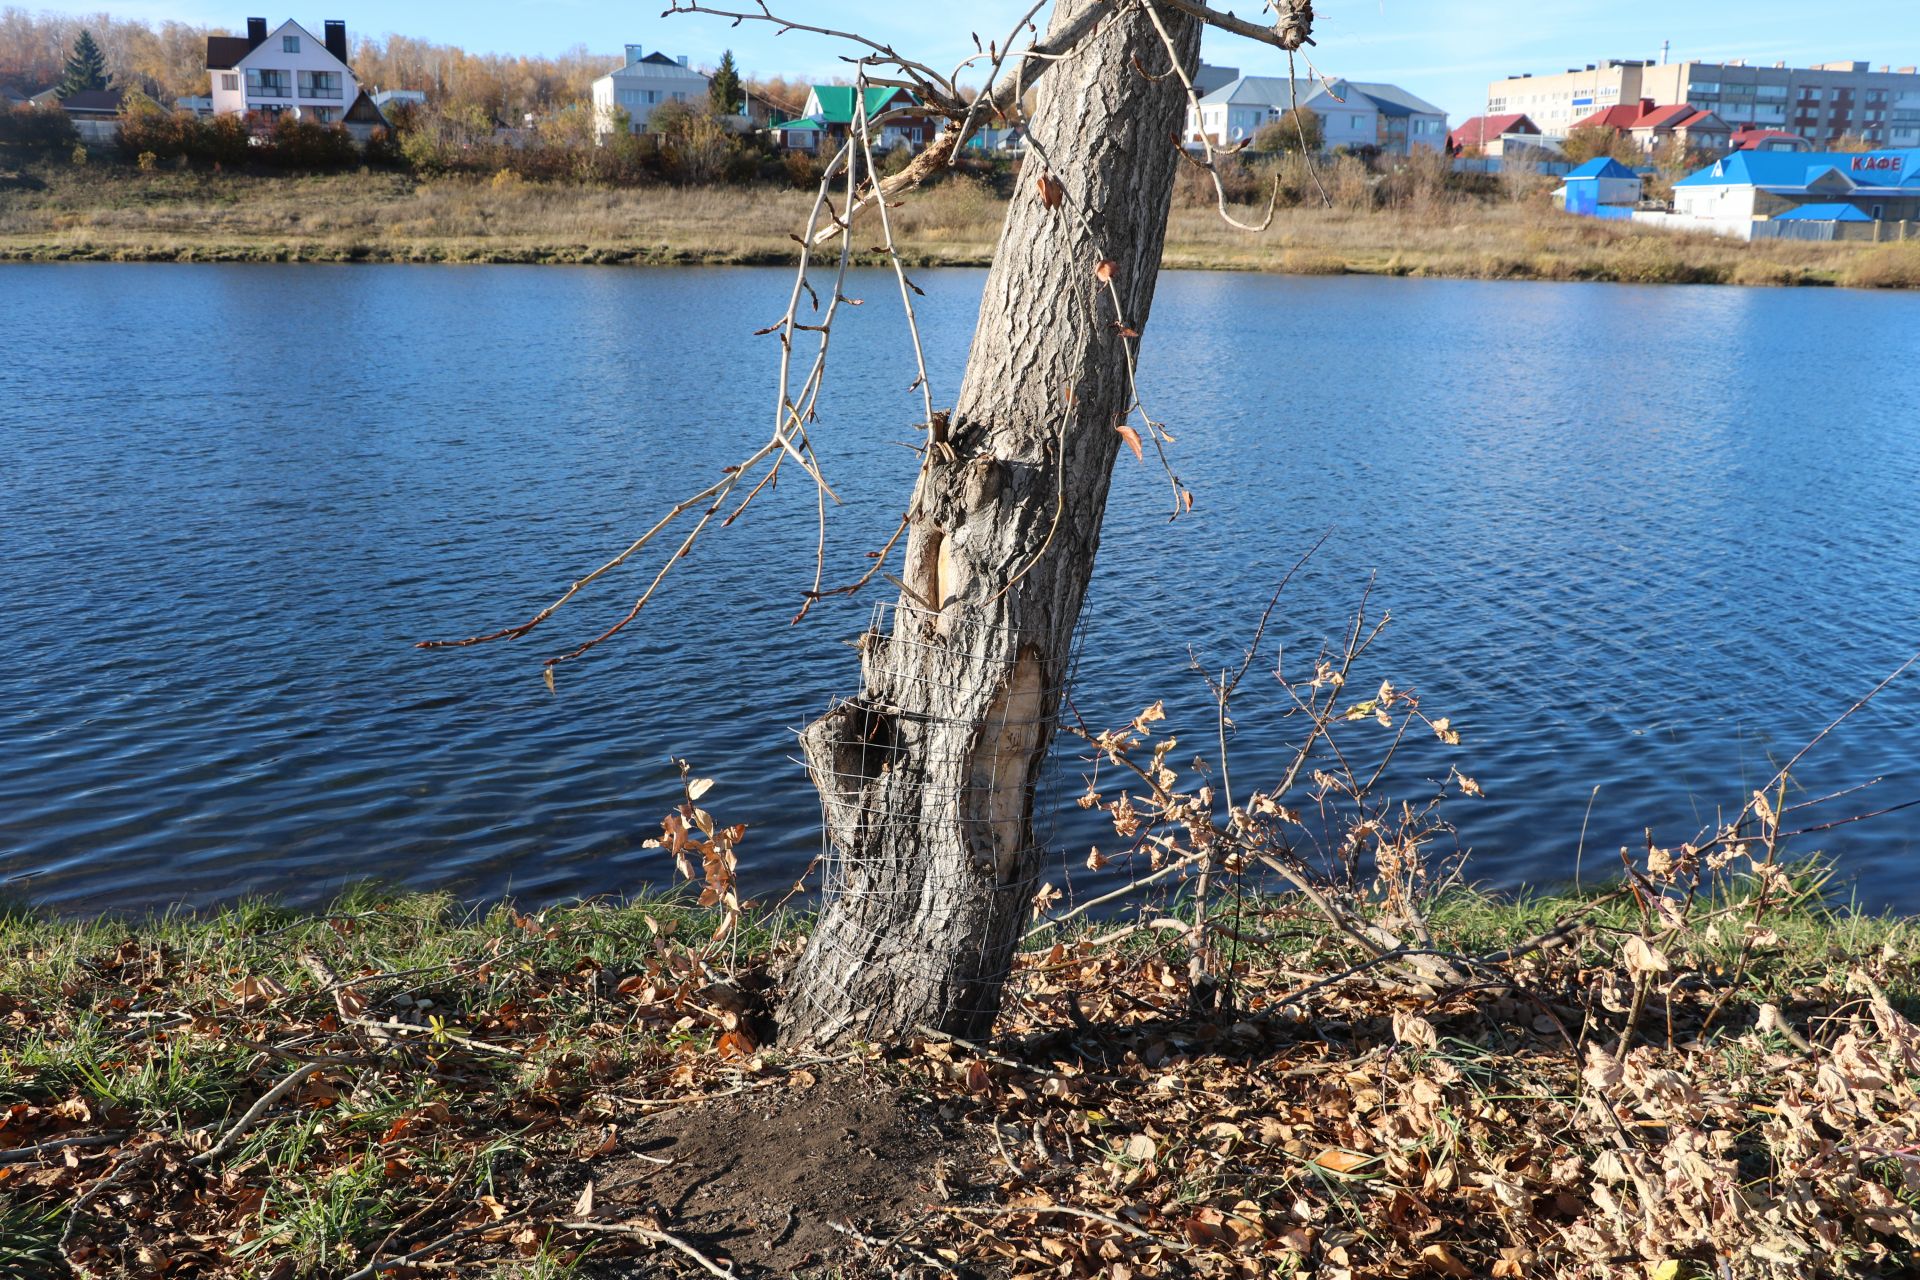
287	69
647	80
1352	114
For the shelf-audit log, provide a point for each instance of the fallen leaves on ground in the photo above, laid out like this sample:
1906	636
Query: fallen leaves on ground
1369	1130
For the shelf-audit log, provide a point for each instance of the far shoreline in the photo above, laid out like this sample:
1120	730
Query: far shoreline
110	213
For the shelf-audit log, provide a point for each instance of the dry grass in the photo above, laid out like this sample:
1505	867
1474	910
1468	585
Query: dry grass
109	212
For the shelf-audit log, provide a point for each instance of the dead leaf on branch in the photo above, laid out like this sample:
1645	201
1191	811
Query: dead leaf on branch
1051	191
1642	957
1105	270
1132	438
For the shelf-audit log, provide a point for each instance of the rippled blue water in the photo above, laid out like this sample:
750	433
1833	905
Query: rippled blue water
1645	539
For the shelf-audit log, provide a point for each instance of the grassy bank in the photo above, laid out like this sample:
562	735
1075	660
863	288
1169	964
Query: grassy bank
107	212
398	1085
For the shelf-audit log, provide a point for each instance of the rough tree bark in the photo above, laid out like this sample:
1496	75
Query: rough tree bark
927	778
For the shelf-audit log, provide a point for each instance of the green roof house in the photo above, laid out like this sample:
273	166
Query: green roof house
831	110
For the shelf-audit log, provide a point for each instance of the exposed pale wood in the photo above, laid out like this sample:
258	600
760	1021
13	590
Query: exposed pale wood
927	777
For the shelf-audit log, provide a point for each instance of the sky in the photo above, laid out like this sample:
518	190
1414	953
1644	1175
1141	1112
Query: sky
1444	50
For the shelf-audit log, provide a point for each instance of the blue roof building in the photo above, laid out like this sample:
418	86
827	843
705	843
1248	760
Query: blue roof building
1823	213
1600	188
1751	187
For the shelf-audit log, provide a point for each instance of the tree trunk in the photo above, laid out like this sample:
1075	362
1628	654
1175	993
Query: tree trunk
927	779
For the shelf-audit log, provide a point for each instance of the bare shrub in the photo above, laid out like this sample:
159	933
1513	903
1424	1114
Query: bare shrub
1521	179
1419	184
1351	184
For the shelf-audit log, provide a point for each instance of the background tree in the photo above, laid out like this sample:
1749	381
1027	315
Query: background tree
1596	141
1672	160
86	68
1300	130
724	90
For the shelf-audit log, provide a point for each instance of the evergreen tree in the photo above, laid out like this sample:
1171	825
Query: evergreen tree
86	68
724	91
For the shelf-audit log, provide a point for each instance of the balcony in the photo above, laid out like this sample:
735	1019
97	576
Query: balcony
309	91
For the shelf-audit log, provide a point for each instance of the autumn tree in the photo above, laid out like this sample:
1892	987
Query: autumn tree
1597	141
1298	131
928	775
86	68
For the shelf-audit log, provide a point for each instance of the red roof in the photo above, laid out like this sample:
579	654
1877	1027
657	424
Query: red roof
1665	118
1481	130
1752	137
1624	116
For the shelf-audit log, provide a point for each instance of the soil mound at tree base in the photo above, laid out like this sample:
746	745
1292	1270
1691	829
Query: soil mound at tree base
757	1177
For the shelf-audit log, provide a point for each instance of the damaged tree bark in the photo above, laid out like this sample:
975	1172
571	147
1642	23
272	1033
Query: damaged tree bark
927	778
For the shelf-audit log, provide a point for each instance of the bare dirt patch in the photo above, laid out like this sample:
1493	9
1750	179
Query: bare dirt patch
757	1177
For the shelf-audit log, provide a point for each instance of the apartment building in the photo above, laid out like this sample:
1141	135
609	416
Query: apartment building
1821	103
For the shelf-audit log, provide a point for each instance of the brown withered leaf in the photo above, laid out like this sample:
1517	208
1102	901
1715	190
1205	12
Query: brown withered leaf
1051	191
1642	957
257	992
1338	1161
1132	438
1438	1259
1105	270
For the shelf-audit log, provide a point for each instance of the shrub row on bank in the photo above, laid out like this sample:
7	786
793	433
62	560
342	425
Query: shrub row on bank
304	145
36	129
150	135
690	149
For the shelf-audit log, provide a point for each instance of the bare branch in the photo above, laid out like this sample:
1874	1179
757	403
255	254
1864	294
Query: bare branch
1294	29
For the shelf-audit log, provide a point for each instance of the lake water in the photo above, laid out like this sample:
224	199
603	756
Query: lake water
1649	539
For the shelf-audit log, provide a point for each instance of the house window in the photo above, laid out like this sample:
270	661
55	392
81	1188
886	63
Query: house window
320	84
289	44
230	83
269	84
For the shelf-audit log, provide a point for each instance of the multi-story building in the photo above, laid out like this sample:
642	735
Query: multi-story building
645	82
1822	103
271	73
1352	114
